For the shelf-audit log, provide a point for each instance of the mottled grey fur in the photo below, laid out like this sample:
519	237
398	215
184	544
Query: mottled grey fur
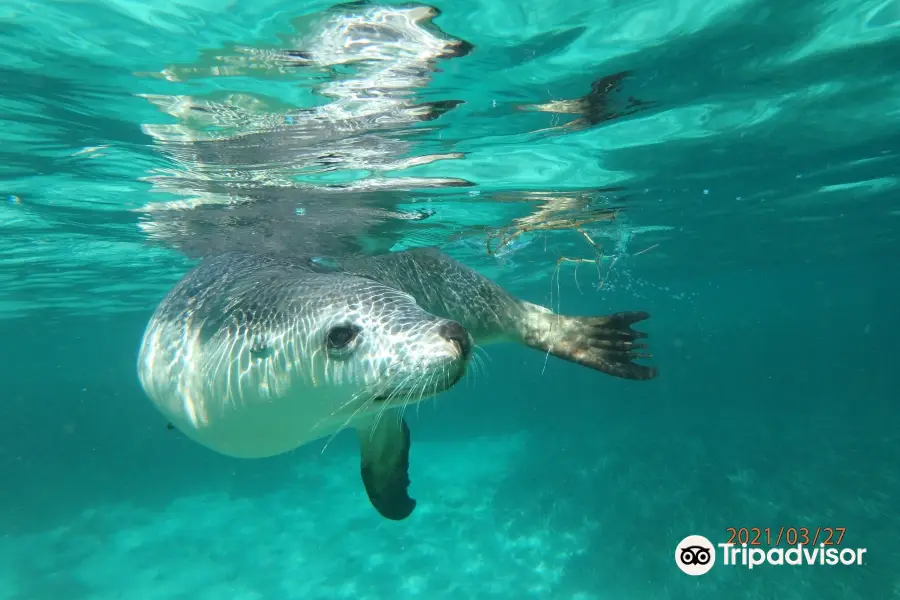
443	286
237	355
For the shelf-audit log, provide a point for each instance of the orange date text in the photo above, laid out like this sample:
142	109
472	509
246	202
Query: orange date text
790	536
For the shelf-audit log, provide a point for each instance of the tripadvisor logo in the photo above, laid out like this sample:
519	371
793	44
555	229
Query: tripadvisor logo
696	555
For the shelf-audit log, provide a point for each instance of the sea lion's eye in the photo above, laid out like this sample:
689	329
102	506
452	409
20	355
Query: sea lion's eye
341	336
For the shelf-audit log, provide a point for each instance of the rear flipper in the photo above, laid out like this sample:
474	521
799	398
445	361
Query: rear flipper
604	343
384	449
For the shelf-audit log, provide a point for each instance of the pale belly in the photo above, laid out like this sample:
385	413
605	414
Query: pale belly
263	428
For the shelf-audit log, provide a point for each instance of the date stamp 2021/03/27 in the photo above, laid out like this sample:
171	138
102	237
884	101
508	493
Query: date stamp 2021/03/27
755	546
790	536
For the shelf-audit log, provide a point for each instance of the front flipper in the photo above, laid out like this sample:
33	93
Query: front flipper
384	453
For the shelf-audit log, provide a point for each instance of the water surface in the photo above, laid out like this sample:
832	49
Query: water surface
734	164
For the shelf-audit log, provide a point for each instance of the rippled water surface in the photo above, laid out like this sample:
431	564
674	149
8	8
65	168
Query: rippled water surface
730	166
727	133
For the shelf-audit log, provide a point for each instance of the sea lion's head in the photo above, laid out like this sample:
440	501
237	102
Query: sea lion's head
376	345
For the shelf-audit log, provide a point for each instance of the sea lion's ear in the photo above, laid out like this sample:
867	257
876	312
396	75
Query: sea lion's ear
322	264
384	453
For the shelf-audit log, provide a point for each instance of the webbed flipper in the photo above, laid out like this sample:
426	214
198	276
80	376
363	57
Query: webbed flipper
605	343
384	453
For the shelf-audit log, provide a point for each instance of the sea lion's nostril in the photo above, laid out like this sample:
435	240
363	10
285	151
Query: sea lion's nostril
456	333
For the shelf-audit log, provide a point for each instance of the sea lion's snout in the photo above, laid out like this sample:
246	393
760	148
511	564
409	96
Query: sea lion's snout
457	334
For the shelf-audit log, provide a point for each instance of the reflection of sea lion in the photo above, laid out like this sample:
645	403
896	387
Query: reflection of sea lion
253	164
597	106
253	356
388	53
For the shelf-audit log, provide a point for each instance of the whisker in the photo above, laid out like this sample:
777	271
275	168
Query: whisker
347	422
423	391
384	407
478	364
360	409
484	353
478	369
352	399
406	398
414	392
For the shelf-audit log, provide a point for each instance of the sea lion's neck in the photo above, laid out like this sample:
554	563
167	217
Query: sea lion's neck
448	289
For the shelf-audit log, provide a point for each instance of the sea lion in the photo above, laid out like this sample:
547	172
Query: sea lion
254	355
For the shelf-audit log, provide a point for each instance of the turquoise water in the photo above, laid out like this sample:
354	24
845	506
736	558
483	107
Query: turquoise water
735	164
